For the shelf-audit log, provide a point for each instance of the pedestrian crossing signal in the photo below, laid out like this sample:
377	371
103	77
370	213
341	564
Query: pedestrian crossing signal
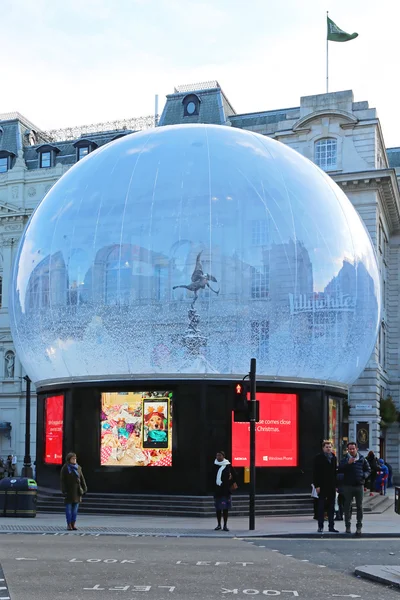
240	399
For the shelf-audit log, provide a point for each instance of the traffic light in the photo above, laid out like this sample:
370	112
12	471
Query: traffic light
240	396
240	403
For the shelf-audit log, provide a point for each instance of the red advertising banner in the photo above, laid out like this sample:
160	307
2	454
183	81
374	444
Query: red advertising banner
276	433
54	430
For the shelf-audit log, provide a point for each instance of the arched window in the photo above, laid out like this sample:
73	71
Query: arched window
191	105
326	154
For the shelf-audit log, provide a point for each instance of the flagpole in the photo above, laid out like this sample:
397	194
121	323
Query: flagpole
327	59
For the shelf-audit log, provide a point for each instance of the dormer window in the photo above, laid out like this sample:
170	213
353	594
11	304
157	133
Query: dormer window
84	147
6	161
82	152
45	160
191	105
47	156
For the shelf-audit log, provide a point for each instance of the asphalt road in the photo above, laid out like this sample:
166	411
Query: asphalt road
342	555
71	567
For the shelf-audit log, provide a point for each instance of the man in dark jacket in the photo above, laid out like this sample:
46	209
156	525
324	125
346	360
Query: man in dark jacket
356	470
325	485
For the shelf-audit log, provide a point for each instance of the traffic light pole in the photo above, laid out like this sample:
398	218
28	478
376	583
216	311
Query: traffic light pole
27	470
252	495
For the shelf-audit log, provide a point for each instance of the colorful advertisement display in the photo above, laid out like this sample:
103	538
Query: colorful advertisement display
54	430
333	423
276	433
136	429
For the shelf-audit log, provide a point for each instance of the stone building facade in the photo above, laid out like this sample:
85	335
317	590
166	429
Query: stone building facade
342	136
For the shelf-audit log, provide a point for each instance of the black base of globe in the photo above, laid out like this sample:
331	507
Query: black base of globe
202	425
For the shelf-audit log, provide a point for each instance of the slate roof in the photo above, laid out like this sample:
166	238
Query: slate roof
393	155
67	154
264	118
10	136
14	131
215	107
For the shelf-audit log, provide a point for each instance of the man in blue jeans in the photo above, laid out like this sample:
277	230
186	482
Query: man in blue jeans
356	470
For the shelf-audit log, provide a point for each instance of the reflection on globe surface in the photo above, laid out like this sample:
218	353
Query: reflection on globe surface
190	249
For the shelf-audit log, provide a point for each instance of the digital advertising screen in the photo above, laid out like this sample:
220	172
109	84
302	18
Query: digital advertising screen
54	430
136	429
276	433
333	423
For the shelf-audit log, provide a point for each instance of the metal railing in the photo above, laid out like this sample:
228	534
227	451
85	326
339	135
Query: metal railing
75	132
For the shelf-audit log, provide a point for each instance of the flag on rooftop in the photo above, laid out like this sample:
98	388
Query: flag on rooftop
335	34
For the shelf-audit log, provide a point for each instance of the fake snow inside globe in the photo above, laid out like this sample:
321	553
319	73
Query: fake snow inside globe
188	250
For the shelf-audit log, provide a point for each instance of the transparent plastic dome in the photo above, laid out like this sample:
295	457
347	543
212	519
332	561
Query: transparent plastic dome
276	262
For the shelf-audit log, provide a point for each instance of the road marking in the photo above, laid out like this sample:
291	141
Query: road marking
26	559
346	595
4	587
134	588
322	566
254	592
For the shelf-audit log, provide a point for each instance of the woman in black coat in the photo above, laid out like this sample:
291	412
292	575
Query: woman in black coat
225	479
73	486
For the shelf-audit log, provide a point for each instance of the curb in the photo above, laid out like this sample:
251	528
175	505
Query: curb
93	531
377	573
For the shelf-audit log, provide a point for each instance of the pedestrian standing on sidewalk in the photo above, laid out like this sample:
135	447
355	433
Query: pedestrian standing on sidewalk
356	470
374	466
9	466
225	481
324	478
73	486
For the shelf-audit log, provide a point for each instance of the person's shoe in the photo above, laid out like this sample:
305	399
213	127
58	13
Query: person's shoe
218	527
348	529
371	493
225	528
339	519
320	530
73	527
69	526
333	530
358	531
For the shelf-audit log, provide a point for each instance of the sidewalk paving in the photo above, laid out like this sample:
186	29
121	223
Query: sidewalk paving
385	524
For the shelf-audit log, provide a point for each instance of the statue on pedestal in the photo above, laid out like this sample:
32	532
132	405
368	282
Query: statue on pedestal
193	340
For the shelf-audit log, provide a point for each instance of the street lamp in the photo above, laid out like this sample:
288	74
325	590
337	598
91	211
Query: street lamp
27	470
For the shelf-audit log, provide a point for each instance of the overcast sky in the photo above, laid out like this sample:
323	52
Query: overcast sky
71	62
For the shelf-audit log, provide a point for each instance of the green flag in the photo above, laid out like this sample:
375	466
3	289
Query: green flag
335	34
